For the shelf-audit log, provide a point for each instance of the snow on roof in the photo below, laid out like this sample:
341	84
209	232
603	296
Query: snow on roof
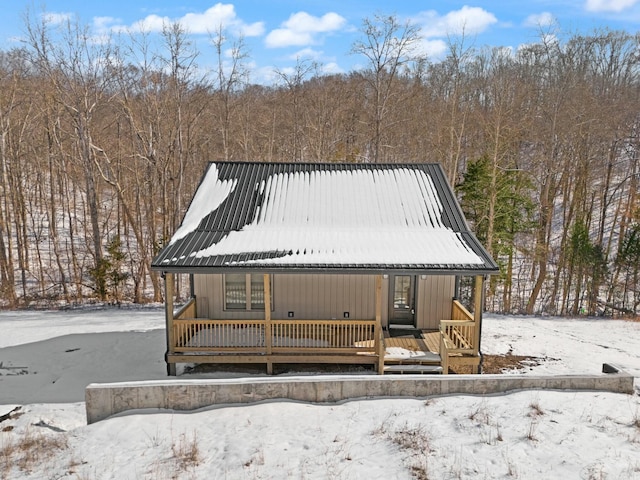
326	215
354	217
210	194
355	247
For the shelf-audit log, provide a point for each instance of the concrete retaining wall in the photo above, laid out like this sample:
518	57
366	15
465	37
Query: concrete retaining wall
104	400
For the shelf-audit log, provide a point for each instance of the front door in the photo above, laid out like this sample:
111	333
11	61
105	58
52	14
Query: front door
402	301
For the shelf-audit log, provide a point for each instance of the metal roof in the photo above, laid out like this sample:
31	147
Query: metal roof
277	217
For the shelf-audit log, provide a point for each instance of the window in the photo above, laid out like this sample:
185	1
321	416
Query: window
402	292
244	291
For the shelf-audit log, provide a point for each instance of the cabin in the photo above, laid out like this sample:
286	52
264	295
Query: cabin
293	263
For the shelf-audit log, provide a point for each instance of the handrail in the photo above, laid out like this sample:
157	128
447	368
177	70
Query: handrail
460	312
457	323
184	311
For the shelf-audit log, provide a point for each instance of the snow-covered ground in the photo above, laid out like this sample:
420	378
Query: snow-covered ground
47	358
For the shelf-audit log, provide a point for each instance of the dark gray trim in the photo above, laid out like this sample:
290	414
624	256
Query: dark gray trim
483	294
328	270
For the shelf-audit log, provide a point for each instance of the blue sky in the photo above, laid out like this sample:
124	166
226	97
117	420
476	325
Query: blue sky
278	32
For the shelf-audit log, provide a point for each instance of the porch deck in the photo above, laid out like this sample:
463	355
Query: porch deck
401	354
271	341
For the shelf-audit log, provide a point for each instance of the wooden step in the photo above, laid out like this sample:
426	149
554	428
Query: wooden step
413	369
426	359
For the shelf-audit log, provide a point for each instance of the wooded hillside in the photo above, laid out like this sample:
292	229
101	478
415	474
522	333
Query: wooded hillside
103	143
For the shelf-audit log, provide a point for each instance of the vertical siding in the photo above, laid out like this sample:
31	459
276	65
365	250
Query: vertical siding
324	296
435	294
329	296
317	296
204	290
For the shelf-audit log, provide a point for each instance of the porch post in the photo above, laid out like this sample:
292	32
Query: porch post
379	340
168	302
478	305
267	320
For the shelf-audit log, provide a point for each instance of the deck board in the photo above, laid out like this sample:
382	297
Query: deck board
429	342
432	339
409	343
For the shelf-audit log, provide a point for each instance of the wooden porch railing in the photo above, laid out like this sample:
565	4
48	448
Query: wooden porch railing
459	312
341	336
457	336
193	335
188	310
287	336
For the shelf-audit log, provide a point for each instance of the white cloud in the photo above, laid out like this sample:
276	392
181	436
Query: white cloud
201	23
253	29
433	49
467	20
309	53
609	5
543	19
286	38
302	21
54	18
151	23
300	29
103	24
219	14
331	68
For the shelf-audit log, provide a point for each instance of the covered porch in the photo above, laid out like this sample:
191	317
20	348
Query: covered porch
324	263
194	339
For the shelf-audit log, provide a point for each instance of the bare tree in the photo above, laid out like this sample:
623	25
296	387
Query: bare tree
293	83
73	63
230	77
388	46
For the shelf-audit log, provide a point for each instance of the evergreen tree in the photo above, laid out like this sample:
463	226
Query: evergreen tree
512	213
628	261
107	275
588	266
